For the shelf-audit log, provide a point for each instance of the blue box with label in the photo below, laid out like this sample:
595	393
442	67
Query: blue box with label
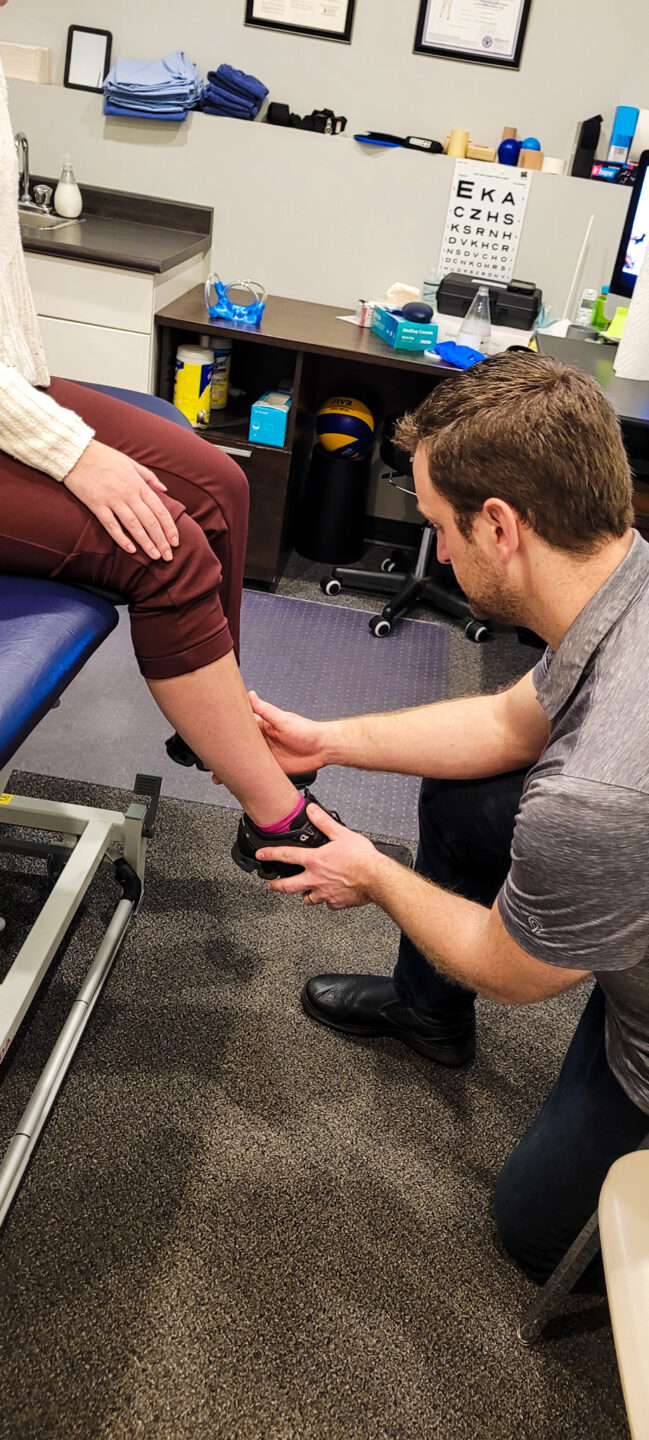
403	334
268	418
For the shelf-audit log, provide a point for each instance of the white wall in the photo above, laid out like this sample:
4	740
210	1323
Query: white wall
581	57
320	218
313	217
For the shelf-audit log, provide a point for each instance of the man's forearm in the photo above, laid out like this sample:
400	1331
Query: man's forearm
446	928
454	739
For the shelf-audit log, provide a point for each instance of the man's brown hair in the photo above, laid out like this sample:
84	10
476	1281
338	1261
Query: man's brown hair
535	433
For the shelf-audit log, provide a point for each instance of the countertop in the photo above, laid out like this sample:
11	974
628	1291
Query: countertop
110	231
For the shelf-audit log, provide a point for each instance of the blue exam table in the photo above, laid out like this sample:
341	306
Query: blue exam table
47	633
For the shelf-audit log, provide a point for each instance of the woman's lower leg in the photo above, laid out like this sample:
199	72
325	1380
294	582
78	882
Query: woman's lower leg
210	709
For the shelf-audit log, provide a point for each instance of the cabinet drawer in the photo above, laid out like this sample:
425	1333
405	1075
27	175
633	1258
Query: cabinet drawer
267	470
96	353
93	294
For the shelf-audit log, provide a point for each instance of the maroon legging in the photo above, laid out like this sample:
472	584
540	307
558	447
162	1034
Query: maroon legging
184	612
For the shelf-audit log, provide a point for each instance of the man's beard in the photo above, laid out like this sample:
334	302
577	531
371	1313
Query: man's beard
491	598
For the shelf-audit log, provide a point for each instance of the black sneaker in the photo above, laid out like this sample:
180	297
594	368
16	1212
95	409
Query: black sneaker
181	753
301	831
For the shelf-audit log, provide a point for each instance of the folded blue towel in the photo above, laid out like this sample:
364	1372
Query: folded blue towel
152	89
213	96
225	110
247	86
134	112
175	74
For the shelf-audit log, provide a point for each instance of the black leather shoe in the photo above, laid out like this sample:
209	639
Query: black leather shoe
369	1005
301	833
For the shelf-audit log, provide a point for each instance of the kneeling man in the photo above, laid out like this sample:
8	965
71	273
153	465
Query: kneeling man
531	875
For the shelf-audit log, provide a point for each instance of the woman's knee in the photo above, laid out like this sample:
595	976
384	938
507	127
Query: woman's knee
227	484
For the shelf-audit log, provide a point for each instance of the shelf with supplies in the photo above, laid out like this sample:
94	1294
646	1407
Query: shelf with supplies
308	349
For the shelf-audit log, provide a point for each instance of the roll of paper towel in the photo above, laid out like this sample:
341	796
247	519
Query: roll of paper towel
632	358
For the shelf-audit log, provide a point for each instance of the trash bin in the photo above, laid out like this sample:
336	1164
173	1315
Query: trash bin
332	513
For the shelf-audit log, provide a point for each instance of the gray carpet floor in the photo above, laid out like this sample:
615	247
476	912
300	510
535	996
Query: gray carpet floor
239	1226
316	658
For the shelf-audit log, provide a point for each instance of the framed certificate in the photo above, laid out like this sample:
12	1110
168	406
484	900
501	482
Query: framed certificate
484	32
326	19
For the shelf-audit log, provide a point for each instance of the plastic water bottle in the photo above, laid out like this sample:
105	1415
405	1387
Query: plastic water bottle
475	329
430	287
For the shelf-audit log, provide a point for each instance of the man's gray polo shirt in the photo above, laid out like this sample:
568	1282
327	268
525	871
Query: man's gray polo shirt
577	893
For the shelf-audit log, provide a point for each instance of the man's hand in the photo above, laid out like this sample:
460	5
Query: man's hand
340	874
121	493
296	743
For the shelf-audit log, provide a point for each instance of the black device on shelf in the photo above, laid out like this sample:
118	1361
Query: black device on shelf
517	304
586	143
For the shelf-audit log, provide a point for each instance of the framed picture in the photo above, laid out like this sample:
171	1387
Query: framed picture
325	19
87	58
473	30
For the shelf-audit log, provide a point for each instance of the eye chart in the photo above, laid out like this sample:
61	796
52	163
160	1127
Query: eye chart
484	220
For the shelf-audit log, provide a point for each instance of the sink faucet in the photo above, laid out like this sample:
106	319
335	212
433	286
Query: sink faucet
22	148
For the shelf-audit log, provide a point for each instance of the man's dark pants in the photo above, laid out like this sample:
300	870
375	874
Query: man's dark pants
550	1184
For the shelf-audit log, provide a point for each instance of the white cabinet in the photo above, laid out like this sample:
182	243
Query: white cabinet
97	320
97	354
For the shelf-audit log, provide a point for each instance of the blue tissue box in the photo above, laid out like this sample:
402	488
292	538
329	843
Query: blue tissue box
403	334
268	418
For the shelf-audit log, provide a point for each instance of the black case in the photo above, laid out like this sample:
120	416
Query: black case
517	304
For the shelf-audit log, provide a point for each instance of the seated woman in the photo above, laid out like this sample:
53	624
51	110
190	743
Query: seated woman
96	492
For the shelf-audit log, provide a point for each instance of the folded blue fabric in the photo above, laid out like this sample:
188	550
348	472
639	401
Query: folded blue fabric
159	89
174	74
214	96
225	110
238	82
133	112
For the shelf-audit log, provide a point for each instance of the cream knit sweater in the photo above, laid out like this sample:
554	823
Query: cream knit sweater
33	428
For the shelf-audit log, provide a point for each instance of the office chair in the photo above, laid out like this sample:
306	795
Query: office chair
428	580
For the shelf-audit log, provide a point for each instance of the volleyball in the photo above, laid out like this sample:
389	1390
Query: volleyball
344	426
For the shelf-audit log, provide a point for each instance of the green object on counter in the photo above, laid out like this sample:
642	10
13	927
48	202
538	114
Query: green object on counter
614	330
599	319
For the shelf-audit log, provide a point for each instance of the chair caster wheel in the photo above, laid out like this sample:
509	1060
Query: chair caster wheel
388	565
380	626
477	631
330	586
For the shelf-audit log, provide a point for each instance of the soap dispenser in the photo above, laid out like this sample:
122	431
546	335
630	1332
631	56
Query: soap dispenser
67	196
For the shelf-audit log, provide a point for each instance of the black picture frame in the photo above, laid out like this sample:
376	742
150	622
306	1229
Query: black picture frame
69	57
310	30
447	53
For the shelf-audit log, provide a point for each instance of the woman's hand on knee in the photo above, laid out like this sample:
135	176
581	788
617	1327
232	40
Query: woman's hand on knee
121	493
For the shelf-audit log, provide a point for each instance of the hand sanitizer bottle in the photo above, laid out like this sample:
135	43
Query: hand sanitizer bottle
67	196
475	329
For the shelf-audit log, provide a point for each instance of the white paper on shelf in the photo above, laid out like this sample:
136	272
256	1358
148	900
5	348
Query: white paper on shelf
26	62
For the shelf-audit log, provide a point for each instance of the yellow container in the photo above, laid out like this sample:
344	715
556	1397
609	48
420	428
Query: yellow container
193	383
221	377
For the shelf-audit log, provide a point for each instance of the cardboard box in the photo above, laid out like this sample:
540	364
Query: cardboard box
403	334
268	418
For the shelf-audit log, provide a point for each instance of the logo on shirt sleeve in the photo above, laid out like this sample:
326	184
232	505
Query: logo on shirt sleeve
535	925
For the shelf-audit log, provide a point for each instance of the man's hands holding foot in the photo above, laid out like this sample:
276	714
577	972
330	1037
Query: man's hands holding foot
341	874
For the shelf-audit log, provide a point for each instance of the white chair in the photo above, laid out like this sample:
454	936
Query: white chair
624	1237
